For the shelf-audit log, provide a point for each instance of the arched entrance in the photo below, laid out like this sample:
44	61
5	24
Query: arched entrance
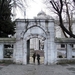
40	35
37	48
35	28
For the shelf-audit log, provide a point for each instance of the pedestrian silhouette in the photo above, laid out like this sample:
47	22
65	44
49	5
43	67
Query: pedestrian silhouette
38	59
34	56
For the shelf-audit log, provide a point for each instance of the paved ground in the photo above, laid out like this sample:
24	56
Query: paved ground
37	69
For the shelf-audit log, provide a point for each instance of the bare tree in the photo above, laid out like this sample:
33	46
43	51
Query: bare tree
73	0
21	4
58	6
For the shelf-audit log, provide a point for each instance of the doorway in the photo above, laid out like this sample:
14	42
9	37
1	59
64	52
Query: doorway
35	45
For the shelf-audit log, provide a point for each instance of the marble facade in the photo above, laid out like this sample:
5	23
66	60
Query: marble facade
39	29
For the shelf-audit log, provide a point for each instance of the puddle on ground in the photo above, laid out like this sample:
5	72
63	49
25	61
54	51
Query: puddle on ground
64	64
73	72
0	68
71	68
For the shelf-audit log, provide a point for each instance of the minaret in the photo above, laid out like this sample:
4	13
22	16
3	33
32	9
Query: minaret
18	5
14	10
25	14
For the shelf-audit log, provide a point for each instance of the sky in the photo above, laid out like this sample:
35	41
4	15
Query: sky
34	7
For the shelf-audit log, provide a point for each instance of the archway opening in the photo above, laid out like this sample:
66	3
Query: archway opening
35	45
37	36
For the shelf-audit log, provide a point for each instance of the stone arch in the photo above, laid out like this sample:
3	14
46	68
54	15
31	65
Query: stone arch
35	30
29	35
23	33
35	36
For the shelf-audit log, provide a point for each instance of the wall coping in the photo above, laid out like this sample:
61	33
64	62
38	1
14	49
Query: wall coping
64	40
7	40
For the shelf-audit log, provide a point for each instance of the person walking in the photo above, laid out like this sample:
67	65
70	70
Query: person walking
38	59
34	56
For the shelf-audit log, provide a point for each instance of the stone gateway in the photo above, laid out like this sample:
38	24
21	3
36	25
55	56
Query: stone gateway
27	29
40	35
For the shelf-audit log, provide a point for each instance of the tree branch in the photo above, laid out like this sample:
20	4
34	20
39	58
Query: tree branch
54	6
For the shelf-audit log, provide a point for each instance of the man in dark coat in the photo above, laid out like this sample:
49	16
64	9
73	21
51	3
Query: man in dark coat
34	56
38	59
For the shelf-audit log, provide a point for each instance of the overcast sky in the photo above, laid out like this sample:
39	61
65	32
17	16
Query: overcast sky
33	9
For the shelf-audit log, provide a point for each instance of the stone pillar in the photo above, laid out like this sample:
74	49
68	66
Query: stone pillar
69	51
24	52
17	53
32	43
36	44
52	52
45	52
1	51
14	53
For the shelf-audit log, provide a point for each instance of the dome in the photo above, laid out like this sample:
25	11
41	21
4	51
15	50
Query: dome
43	15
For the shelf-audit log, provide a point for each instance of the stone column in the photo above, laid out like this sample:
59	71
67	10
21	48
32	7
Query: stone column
14	53
45	52
69	51
24	52
52	52
17	56
36	44
1	51
32	43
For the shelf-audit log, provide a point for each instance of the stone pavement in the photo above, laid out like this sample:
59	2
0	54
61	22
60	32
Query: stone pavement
31	69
